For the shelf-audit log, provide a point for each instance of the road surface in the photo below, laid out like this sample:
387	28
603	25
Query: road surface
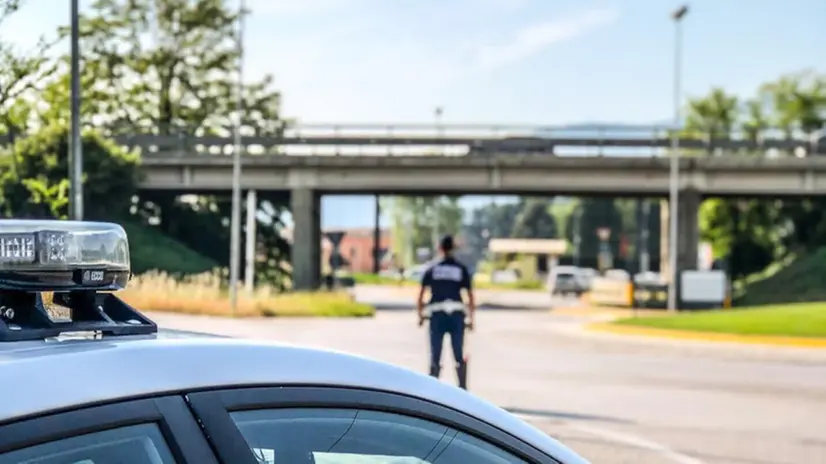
612	399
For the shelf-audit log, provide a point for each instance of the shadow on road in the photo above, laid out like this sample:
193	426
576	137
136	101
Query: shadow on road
566	415
489	307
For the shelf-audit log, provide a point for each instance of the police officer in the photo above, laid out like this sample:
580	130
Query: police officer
446	278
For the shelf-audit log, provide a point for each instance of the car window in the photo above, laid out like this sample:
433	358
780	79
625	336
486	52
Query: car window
139	444
345	436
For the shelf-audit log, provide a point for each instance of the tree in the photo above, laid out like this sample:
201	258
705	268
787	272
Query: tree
181	80
752	233
39	186
415	221
593	214
714	116
22	75
535	220
168	67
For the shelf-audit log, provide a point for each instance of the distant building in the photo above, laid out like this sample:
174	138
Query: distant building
356	247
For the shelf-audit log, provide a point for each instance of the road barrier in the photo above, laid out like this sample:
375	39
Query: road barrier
648	295
611	292
698	290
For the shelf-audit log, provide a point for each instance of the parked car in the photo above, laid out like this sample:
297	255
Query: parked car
566	280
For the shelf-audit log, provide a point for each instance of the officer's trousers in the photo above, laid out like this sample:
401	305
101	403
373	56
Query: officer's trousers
453	323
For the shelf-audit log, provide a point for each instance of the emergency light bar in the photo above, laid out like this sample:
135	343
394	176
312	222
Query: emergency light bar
76	260
54	255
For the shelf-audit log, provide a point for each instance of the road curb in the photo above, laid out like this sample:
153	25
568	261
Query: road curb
711	337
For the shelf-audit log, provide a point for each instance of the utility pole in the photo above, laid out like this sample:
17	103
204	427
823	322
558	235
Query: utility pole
235	222
76	148
674	179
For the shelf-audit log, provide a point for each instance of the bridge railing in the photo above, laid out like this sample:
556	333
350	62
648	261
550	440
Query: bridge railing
462	139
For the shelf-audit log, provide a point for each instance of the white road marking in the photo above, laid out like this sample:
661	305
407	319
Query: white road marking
627	439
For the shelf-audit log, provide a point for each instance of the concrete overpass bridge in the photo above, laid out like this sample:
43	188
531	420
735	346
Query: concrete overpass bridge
308	161
306	178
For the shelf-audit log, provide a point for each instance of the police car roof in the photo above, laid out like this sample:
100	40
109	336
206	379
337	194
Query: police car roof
74	372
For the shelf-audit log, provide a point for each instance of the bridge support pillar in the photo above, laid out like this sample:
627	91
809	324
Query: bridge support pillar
688	233
306	248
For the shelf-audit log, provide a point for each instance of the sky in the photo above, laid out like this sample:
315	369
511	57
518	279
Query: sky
539	62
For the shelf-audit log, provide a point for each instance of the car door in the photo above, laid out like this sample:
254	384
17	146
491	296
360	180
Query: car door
326	425
146	431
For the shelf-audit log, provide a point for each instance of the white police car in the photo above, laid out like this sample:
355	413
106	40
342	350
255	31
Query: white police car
107	387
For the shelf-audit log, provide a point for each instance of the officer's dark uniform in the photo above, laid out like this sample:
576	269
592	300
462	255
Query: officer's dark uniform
446	279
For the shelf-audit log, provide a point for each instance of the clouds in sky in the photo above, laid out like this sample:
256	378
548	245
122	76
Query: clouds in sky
534	38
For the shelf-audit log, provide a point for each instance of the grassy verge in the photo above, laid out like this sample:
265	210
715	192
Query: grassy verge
204	294
792	320
151	250
372	279
801	278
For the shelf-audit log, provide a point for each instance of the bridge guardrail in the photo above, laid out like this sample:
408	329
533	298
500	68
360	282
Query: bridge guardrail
468	138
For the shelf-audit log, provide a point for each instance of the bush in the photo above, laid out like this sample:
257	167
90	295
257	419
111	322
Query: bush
37	183
205	294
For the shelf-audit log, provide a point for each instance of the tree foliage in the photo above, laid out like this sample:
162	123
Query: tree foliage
164	66
753	233
39	185
416	221
535	220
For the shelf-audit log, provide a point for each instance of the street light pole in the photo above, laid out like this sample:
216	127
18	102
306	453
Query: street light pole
235	222
674	180
76	150
436	210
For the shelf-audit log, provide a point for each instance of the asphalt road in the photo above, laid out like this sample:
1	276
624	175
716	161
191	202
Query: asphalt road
613	399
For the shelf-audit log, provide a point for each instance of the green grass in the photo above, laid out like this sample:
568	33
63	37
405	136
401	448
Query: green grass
152	250
793	320
802	279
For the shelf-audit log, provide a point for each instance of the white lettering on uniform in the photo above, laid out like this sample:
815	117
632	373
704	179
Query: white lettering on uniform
453	273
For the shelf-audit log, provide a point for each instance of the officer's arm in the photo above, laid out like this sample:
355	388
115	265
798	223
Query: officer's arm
426	279
467	283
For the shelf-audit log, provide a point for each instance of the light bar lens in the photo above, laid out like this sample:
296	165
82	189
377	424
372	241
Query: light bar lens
62	245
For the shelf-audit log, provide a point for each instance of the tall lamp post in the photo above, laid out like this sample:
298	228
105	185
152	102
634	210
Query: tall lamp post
673	199
76	150
235	222
437	114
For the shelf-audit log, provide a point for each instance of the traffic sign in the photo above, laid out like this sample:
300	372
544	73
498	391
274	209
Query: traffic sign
335	237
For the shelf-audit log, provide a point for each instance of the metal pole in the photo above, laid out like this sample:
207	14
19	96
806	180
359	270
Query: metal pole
576	232
76	151
673	202
645	259
377	236
436	201
235	223
252	222
440	127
